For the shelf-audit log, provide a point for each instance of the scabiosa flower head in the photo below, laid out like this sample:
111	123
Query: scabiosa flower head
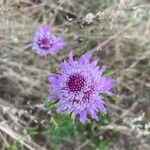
78	86
45	42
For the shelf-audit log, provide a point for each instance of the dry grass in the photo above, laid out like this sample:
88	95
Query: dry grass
118	36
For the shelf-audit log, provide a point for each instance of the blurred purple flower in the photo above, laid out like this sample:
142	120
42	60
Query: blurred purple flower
78	87
46	43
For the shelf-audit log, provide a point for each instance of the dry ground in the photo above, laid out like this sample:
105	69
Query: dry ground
118	34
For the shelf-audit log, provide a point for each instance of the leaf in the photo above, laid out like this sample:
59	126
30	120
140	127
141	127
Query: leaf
113	99
109	72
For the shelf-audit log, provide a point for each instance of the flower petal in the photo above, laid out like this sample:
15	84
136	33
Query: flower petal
94	115
83	116
102	69
53	78
51	47
84	59
52	98
71	56
106	84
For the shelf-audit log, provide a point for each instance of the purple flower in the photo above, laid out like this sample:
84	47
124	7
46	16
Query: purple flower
78	86
45	42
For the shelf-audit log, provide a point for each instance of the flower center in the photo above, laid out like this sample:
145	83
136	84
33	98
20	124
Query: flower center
45	43
76	82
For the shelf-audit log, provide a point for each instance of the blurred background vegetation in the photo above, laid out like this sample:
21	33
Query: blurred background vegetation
118	34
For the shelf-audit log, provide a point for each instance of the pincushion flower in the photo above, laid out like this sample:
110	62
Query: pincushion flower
46	43
78	86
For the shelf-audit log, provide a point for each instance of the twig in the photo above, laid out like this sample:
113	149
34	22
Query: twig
83	145
116	127
2	136
15	136
20	138
139	59
128	111
101	45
